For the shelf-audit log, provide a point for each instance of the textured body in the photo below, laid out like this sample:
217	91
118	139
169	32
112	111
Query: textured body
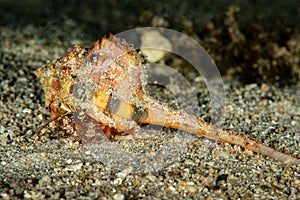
103	88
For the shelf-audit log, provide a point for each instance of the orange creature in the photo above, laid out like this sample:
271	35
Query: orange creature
103	88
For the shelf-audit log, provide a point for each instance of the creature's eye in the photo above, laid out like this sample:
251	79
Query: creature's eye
59	104
139	113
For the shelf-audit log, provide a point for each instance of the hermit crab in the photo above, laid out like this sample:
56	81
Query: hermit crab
102	88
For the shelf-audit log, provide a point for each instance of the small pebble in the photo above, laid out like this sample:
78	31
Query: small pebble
189	162
222	154
151	178
74	167
172	188
152	39
191	188
118	196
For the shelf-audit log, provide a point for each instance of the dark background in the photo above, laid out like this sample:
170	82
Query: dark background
267	26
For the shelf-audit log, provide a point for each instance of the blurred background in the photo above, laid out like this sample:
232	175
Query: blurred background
251	41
